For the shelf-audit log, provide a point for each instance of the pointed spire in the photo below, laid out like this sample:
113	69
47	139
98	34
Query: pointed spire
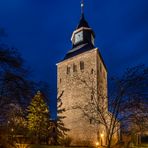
82	8
83	22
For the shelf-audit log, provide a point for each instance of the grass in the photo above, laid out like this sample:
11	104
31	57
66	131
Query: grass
141	146
45	146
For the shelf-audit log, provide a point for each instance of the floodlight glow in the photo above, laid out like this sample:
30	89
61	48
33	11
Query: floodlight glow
97	143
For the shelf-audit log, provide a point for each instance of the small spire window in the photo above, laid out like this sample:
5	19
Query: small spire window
81	65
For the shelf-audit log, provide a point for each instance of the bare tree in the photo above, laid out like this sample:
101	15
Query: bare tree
15	86
127	93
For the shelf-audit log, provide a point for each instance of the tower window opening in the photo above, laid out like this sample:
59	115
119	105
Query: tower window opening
103	103
81	65
92	97
100	67
90	121
68	70
104	74
74	68
92	71
54	130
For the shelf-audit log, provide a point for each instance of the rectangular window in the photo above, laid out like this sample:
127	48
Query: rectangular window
74	68
81	65
104	75
92	71
90	121
68	70
100	68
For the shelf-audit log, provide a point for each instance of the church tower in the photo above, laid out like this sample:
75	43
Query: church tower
81	76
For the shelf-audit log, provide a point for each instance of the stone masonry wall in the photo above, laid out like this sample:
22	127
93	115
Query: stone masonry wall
76	94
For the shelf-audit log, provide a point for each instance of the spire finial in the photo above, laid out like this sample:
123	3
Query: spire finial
82	7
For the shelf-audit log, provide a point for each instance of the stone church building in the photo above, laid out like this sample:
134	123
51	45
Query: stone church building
82	75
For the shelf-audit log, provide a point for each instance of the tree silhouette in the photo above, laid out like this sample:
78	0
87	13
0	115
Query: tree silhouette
61	129
127	102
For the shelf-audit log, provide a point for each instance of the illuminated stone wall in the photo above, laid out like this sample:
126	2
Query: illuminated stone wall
76	93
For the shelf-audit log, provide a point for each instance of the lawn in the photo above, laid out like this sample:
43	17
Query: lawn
44	146
142	146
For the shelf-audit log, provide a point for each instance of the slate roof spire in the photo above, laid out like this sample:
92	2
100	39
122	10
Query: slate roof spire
83	22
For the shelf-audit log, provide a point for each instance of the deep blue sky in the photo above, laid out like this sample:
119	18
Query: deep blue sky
41	30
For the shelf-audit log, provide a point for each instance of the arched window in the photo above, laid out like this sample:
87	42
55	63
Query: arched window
81	65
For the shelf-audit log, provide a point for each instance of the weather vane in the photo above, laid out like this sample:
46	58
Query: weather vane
82	6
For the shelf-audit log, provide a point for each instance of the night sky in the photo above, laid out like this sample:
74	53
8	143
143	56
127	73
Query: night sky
41	30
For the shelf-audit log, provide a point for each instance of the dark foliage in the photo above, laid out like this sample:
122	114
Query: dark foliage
38	118
60	128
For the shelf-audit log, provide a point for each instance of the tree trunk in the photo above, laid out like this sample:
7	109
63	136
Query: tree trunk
109	144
